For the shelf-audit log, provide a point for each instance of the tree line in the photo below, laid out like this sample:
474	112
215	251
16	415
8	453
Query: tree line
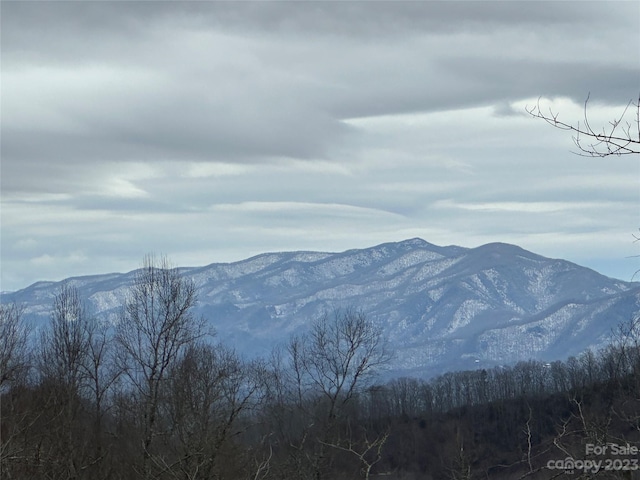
155	397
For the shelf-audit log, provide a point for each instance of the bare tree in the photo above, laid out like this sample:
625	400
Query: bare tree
623	359
15	419
13	344
156	327
64	348
207	391
329	366
101	374
340	354
620	137
367	451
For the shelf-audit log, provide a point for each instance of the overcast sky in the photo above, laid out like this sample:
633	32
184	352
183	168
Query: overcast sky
212	131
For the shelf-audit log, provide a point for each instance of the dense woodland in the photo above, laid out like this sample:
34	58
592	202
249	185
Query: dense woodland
155	397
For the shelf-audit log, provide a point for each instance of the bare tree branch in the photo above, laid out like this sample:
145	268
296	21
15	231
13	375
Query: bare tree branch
620	137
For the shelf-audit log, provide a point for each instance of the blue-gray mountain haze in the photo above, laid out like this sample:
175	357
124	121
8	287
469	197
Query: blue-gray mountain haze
440	308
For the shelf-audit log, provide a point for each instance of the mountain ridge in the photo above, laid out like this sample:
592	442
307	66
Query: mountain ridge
440	308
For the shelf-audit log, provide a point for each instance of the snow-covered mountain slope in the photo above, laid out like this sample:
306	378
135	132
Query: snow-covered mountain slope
441	308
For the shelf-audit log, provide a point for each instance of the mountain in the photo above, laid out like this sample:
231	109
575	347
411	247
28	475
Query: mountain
441	308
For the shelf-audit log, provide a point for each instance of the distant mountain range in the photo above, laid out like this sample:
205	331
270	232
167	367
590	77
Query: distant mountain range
441	308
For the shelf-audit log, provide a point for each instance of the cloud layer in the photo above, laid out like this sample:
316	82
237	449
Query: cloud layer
211	131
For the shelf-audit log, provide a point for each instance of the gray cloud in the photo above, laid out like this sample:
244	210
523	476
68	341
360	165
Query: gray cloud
254	126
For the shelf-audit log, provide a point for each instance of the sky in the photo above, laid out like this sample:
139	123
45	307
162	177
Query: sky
215	131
